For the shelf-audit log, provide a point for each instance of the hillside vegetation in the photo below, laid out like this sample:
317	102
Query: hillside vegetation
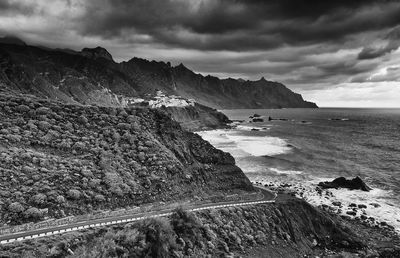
286	229
58	160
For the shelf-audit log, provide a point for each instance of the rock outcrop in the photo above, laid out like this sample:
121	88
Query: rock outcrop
341	182
97	52
198	117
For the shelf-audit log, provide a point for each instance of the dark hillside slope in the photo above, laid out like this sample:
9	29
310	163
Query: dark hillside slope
231	93
92	77
198	117
58	160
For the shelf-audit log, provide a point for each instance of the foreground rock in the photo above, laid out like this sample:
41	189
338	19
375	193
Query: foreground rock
341	182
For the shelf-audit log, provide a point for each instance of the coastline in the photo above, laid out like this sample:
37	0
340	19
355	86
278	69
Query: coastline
366	207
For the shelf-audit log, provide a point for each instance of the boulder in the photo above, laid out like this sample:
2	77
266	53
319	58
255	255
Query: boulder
341	182
352	213
336	203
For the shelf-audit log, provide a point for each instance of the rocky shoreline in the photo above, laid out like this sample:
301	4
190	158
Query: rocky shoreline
352	212
37	136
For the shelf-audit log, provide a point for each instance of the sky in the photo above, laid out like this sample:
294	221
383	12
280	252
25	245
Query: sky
338	53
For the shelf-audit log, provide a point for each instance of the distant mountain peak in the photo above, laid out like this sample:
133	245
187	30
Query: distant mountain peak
182	66
12	40
97	52
96	82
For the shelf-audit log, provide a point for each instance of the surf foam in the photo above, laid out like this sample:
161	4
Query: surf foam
252	145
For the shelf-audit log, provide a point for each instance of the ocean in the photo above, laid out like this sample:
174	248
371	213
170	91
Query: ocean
308	146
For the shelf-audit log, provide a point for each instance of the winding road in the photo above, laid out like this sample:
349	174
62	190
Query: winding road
268	197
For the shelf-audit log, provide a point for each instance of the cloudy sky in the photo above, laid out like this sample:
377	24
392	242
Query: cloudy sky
336	53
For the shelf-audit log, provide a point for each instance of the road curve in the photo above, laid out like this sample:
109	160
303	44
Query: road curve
269	197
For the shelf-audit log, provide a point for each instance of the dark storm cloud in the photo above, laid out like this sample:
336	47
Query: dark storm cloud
306	44
393	43
371	53
240	24
331	73
10	7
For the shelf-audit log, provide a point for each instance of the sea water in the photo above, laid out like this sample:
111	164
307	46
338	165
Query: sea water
307	146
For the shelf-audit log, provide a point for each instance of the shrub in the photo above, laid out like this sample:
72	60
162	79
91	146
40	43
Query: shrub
74	194
68	126
44	126
39	199
60	199
43	111
23	109
33	213
82	120
99	198
123	114
79	146
131	119
16	207
94	182
185	223
123	126
160	237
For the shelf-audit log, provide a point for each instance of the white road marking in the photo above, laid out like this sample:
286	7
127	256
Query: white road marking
132	219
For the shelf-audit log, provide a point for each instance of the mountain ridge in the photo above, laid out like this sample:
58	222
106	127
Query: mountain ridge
79	76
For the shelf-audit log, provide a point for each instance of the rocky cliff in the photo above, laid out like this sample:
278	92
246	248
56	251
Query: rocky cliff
61	159
92	77
198	117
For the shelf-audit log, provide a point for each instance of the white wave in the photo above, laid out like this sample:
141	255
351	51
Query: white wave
250	128
252	145
386	211
215	137
286	172
220	140
260	145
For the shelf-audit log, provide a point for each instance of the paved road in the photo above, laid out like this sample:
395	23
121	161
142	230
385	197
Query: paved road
269	197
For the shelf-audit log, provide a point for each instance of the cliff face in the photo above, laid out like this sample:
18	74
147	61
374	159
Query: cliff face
58	160
92	77
231	93
198	117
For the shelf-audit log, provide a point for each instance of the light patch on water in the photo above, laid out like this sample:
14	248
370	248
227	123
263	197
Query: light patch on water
247	150
286	172
252	145
260	145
